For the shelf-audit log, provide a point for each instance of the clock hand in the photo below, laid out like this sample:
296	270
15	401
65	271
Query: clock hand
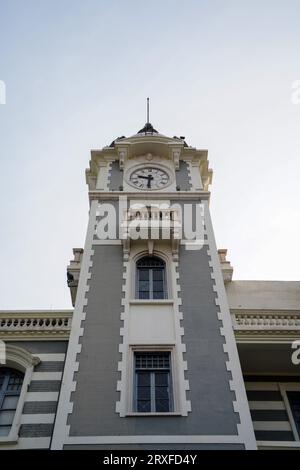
149	178
146	177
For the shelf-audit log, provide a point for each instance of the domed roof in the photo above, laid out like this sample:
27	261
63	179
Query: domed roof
148	129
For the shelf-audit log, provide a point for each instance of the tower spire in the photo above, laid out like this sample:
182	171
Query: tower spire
148	121
148	128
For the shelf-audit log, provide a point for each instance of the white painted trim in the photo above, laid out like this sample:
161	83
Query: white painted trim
37	418
241	406
195	177
151	301
266	405
149	439
271	426
107	242
65	406
290	387
41	396
174	377
28	443
124	385
137	414
103	176
183	386
262	386
278	444
46	375
52	357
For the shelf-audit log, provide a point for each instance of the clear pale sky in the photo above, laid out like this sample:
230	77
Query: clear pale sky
77	74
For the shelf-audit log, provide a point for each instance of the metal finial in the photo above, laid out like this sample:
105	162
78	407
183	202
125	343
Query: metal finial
148	111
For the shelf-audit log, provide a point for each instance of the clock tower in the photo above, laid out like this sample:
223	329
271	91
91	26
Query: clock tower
152	361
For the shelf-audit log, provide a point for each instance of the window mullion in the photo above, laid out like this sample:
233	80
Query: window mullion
152	388
150	283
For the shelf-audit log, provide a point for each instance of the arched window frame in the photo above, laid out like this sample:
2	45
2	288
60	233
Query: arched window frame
20	360
164	275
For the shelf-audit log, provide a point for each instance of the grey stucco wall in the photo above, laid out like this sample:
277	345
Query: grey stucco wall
95	396
42	347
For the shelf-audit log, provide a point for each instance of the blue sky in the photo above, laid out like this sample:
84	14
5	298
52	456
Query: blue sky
77	75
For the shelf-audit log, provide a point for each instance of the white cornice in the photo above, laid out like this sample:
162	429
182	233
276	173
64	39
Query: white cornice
191	195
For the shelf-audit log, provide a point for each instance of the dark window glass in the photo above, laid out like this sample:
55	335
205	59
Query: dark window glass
153	385
294	400
151	278
10	388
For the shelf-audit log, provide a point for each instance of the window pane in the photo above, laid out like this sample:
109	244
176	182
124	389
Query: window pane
10	403
143	286
161	379
152	360
15	382
157	274
162	406
144	274
162	392
4	430
144	406
144	295
158	295
158	286
143	379
7	417
143	393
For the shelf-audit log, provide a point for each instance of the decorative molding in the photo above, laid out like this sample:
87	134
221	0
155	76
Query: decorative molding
65	404
150	439
34	325
240	404
19	358
122	403
187	195
184	386
278	326
266	322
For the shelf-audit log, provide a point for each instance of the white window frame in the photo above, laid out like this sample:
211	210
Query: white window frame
152	384
290	387
18	359
168	281
150	269
131	380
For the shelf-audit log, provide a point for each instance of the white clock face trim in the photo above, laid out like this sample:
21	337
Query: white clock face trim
149	178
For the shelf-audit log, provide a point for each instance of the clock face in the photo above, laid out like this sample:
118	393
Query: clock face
149	178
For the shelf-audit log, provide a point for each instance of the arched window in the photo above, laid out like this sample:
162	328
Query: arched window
151	278
11	381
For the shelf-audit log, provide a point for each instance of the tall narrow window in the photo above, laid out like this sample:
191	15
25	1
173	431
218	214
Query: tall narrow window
151	278
294	400
10	388
153	391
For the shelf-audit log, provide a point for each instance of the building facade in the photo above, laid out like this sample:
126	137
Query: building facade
162	350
